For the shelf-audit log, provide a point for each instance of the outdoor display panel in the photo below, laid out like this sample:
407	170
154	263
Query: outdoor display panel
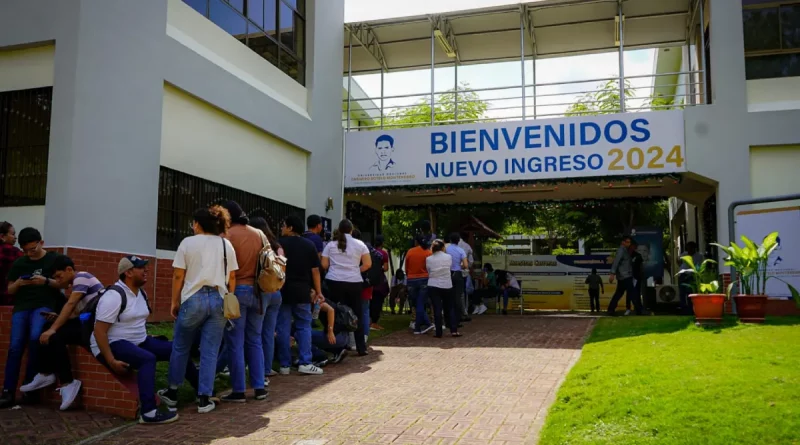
649	143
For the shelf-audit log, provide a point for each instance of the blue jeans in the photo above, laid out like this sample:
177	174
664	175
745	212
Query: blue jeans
203	313
26	328
365	319
143	359
320	345
271	309
243	342
301	314
418	294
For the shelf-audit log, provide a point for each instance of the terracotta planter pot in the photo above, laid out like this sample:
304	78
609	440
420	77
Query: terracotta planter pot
751	308
708	308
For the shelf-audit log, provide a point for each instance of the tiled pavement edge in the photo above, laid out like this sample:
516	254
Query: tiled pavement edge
45	425
492	386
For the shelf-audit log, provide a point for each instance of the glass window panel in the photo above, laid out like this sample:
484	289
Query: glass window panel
290	65
768	67
298	5
255	12
226	18
198	5
238	4
761	29
790	25
286	23
264	46
300	37
270	17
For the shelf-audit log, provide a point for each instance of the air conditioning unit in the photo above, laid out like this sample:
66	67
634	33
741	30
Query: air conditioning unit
667	294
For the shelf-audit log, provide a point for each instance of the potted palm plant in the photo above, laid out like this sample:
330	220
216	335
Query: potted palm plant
708	304
751	262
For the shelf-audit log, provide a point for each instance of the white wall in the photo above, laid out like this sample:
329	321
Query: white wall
27	68
774	171
773	94
21	217
202	36
201	140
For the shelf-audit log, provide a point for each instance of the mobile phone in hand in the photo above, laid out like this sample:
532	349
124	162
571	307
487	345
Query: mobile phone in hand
26	277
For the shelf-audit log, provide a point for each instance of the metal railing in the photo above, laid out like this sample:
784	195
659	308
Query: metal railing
541	100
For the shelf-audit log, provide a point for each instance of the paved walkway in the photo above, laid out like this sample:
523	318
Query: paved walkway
492	386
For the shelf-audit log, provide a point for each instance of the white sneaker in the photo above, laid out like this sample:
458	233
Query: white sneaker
309	369
628	312
272	373
476	311
69	393
428	329
412	325
39	381
285	371
483	309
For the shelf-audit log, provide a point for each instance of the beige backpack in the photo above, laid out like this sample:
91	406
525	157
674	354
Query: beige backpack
271	268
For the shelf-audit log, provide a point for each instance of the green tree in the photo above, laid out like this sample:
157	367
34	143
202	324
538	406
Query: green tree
398	227
604	100
471	108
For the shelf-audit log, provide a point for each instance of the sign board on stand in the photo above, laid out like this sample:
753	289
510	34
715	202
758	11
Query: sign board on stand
785	260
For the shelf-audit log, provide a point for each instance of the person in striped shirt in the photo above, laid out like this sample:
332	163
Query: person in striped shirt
65	330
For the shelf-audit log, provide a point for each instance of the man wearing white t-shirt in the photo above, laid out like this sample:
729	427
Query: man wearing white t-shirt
120	337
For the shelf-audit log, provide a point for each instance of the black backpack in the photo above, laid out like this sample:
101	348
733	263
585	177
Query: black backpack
374	276
345	319
89	313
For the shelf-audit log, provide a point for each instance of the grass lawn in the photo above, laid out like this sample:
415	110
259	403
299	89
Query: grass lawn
661	380
390	323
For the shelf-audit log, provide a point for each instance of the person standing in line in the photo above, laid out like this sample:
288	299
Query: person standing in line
381	290
243	341
8	254
596	288
314	232
273	305
366	292
460	264
302	277
462	243
622	270
205	266
637	267
440	286
417	284
34	291
67	329
345	260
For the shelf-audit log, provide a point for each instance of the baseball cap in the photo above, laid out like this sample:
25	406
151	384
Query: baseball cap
130	262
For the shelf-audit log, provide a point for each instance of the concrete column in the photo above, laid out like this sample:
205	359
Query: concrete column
105	140
727	54
325	179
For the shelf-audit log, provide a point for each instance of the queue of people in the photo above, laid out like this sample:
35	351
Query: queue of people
220	263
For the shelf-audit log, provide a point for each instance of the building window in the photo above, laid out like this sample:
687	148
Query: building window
273	29
24	146
771	38
180	194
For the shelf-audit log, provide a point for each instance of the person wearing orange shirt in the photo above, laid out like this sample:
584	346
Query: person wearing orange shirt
417	275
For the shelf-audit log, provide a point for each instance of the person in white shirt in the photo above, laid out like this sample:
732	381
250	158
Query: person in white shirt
204	269
120	339
345	260
441	290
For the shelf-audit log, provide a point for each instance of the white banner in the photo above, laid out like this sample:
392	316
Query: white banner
785	260
588	146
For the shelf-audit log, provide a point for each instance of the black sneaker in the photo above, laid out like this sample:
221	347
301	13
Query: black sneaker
6	399
159	418
260	394
321	363
234	397
205	405
169	397
340	356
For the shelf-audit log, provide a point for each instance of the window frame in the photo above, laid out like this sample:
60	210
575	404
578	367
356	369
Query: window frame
772	52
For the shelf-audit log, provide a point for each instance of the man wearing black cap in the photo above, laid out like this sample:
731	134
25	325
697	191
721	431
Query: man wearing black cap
120	337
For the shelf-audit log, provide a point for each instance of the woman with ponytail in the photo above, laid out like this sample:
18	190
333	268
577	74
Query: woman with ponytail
204	270
346	259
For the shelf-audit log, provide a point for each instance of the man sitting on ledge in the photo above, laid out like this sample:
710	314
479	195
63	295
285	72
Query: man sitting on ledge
120	337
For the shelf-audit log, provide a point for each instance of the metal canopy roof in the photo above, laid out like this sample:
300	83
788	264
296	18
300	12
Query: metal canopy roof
554	28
